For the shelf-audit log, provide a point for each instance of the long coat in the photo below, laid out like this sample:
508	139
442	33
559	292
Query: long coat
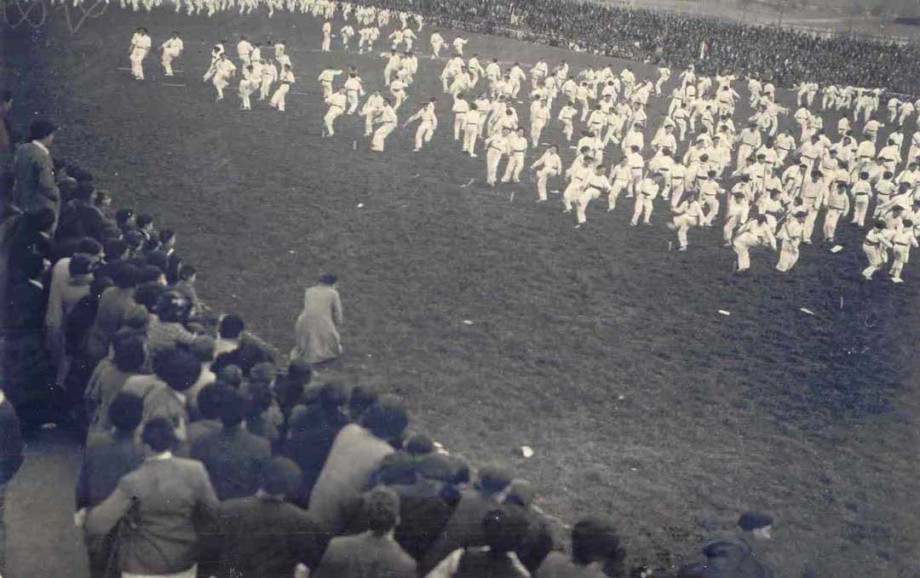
35	186
316	332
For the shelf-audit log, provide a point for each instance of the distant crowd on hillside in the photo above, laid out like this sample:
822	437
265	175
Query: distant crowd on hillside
783	56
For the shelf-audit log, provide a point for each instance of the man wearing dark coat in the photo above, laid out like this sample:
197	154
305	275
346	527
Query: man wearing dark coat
33	169
265	536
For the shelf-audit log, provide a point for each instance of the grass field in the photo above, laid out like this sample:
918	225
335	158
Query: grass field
599	348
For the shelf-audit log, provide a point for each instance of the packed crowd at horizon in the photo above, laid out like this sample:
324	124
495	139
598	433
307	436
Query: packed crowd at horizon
783	56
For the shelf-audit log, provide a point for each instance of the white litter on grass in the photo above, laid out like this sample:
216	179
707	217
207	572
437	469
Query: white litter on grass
49	425
806	311
511	200
360	205
836	248
415	176
621	397
168	84
526	451
354	145
467	184
467	322
724	312
291	251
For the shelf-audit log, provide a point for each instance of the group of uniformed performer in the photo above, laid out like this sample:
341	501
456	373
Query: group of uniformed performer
764	185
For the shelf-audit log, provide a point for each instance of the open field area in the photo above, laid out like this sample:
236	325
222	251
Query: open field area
599	347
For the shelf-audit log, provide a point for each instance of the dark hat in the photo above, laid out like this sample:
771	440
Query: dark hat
754	520
80	264
800	215
40	129
494	478
436	467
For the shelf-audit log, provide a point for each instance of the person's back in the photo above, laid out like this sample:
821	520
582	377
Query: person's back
502	530
164	502
596	553
356	454
482	563
374	553
113	305
558	565
264	536
233	457
464	528
107	458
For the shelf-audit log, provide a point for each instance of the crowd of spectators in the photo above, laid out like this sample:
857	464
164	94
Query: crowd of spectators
783	56
201	456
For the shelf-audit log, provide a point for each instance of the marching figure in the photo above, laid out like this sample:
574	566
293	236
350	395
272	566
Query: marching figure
686	213
875	246
172	48
549	165
224	70
517	148
428	122
496	148
140	47
791	235
285	82
385	122
337	102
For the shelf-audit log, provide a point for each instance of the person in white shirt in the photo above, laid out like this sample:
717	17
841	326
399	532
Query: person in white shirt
224	70
754	233
244	50
539	116
458	45
398	90
172	48
337	102
346	34
369	110
460	108
686	212
327	37
471	129
648	189
284	86
354	90
902	241
247	86
496	148
838	205
791	235
385	122
664	74
548	165
428	122
437	41
595	185
875	247
566	115
517	149
140	47
269	74
408	38
326	77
